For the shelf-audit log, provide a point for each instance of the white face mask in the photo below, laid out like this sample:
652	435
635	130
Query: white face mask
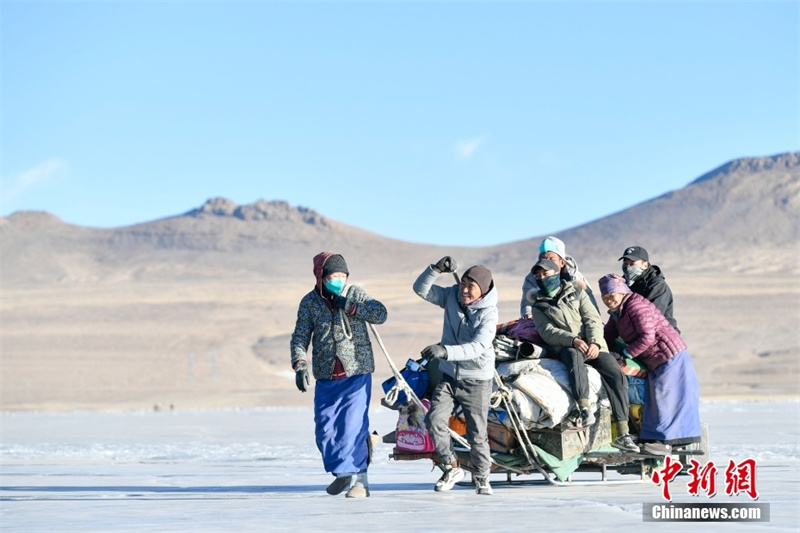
631	272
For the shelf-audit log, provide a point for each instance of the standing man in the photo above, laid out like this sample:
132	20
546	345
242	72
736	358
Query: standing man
466	360
333	319
647	280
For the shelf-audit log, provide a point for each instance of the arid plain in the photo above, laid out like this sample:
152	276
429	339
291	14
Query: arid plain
196	311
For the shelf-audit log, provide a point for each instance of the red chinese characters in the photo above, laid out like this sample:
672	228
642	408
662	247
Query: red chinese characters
702	478
667	474
741	478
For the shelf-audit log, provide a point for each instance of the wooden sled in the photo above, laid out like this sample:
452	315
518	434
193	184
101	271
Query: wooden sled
528	459
639	466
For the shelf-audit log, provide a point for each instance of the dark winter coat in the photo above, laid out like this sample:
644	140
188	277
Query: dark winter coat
567	315
570	272
653	286
334	334
650	338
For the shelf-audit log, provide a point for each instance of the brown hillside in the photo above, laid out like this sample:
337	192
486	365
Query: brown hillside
196	310
744	209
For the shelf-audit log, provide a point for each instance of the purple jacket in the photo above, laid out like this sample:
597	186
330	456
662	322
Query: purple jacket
651	339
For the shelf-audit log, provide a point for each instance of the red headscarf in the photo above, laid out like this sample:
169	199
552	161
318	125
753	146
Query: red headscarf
319	264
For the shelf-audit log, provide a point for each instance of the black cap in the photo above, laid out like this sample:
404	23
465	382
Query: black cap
635	253
545	264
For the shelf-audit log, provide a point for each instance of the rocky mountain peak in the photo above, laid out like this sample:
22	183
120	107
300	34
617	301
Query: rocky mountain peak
779	162
31	219
260	210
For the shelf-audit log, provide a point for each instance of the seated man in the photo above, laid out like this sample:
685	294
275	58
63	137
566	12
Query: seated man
571	326
554	249
647	280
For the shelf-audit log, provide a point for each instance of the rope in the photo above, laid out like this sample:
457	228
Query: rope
516	424
347	329
412	396
402	384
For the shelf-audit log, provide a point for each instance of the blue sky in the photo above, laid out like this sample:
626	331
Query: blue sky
444	123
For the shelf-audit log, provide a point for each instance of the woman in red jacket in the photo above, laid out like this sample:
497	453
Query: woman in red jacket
672	399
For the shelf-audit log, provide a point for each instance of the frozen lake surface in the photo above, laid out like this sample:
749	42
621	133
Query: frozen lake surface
258	470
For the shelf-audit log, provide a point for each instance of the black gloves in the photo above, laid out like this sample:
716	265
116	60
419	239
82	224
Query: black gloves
342	303
434	351
301	377
446	265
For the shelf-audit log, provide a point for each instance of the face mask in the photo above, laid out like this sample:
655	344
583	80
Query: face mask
549	285
335	285
631	272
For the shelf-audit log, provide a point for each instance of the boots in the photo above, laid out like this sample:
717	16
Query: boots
360	487
338	485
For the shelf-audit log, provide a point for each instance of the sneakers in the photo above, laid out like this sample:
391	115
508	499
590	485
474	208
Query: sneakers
451	476
587	418
482	486
626	444
338	485
656	448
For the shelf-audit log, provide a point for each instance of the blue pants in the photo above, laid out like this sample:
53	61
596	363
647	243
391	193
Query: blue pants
341	417
672	403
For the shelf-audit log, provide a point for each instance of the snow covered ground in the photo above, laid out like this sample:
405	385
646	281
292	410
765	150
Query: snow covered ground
258	470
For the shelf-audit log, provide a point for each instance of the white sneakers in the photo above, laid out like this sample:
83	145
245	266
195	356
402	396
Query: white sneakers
482	486
454	474
451	476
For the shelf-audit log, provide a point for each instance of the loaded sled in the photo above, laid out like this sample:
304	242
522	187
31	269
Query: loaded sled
534	425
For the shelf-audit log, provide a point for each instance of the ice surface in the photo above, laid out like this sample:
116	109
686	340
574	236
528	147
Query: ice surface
259	470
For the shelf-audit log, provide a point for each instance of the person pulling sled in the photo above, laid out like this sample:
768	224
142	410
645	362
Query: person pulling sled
466	360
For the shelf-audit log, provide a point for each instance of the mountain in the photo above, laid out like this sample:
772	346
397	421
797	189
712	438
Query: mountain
720	220
197	309
218	238
744	209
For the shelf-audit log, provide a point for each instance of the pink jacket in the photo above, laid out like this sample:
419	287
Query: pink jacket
650	338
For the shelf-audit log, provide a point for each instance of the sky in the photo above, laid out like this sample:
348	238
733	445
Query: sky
452	123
